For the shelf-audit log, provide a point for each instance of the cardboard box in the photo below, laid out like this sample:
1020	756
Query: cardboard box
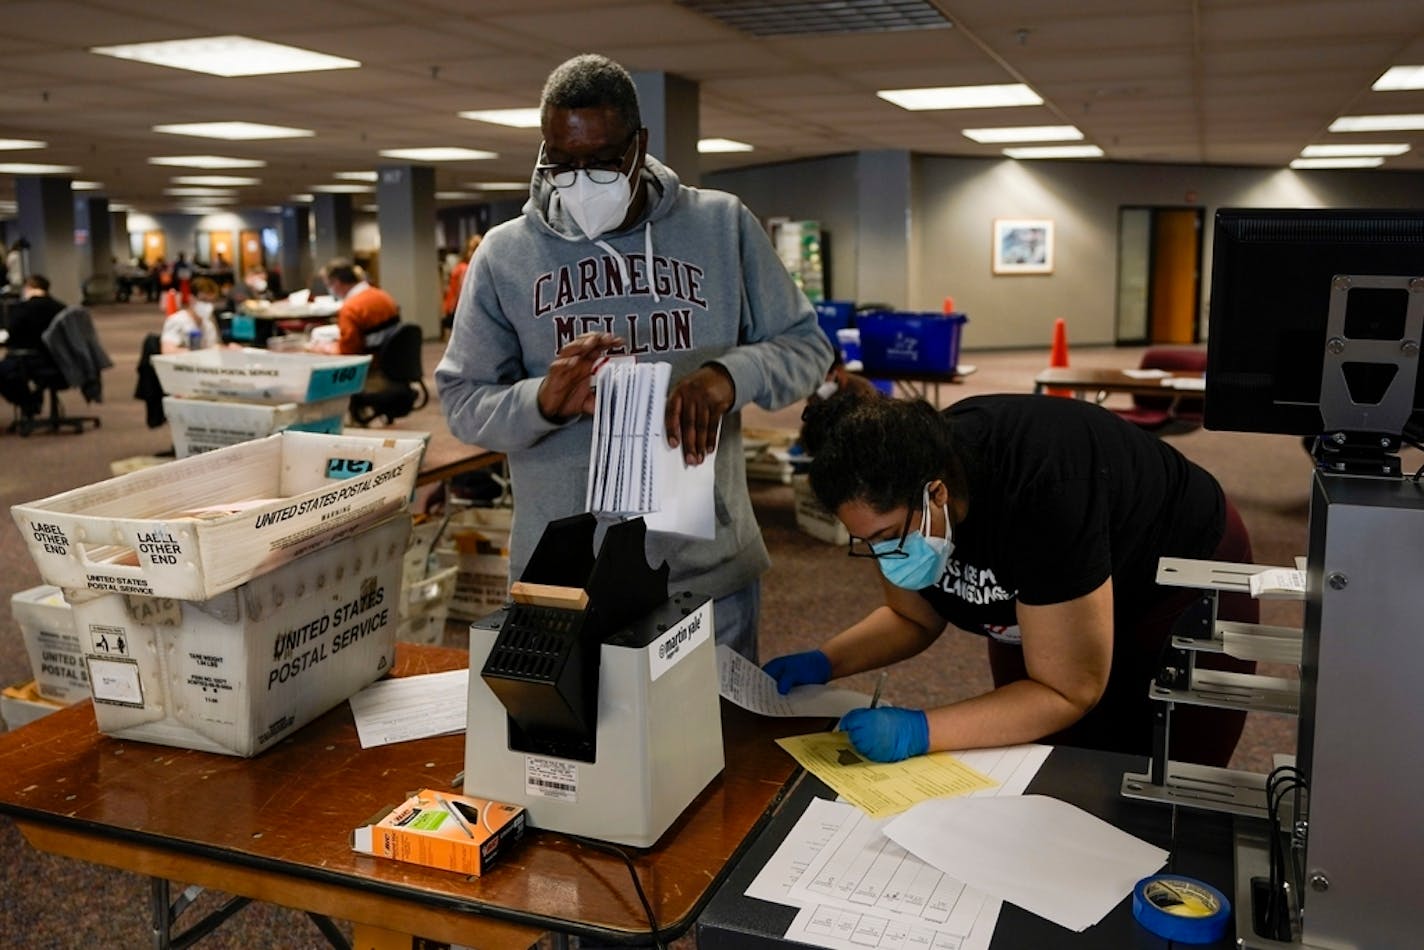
56	657
814	519
199	526
425	605
201	425
443	830
476	542
256	375
239	672
22	705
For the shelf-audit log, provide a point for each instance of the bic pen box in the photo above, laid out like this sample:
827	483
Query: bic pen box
454	832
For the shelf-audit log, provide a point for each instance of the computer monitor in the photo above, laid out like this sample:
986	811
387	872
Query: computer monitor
1272	338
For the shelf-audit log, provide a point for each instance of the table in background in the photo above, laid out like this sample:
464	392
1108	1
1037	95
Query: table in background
276	827
267	320
1099	383
920	385
1200	843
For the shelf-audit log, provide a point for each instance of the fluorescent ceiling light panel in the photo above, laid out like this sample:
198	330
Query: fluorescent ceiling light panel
86	185
234	131
199	192
498	185
962	97
227	56
1360	162
32	168
344	188
1351	151
206	161
373	208
1378	123
438	154
1055	151
355	176
715	146
1025	133
453	195
9	144
1400	77
222	181
302	197
514	118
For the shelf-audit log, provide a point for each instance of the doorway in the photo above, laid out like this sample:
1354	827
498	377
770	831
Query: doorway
1159	275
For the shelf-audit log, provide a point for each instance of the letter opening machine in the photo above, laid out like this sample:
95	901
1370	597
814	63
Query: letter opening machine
593	696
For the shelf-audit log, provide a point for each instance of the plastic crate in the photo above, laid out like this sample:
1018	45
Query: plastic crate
256	375
202	525
202	425
56	656
910	342
239	672
834	315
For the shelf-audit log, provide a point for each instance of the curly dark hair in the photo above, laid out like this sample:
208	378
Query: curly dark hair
590	81
878	451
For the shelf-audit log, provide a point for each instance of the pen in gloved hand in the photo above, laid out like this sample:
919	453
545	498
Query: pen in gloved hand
879	686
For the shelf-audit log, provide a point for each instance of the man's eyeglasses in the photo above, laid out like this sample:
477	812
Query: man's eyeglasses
564	175
860	547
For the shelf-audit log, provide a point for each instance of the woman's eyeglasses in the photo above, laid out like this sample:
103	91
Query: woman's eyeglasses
860	547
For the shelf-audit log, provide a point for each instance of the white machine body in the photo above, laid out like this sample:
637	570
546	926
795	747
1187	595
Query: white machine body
659	736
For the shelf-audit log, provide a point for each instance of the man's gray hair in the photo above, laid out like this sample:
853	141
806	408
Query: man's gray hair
591	81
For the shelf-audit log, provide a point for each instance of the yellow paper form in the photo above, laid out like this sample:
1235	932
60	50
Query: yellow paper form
882	789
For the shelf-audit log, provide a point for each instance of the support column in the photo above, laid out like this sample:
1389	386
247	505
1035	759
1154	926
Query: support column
333	227
669	105
884	197
119	241
46	213
410	270
92	241
296	252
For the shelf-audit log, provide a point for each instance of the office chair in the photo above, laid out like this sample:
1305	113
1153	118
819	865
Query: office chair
71	358
396	384
1168	414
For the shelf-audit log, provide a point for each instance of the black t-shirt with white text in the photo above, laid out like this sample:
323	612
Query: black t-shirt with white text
1063	494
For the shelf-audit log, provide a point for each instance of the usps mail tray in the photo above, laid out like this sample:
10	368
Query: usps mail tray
260	375
199	526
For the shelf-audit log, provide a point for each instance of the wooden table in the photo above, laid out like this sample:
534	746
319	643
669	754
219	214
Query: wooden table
1100	383
921	385
276	827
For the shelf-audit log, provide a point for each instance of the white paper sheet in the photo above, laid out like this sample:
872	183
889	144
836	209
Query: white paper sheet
411	707
834	846
749	686
1048	857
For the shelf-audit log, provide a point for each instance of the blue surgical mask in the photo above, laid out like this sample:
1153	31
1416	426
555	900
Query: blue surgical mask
925	554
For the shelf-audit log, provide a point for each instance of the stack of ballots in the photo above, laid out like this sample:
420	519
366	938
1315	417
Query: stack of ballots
222	396
222	601
632	470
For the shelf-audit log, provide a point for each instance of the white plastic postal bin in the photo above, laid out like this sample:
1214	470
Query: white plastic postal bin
260	375
56	657
202	525
238	672
476	542
202	425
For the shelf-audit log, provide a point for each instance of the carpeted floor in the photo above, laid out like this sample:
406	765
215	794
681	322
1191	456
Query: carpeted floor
812	591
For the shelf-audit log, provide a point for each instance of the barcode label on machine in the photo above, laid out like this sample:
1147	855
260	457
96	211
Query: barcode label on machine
551	778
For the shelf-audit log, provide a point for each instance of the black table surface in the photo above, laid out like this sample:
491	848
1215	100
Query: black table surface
1200	846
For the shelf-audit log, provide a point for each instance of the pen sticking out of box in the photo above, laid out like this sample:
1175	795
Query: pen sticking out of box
454	832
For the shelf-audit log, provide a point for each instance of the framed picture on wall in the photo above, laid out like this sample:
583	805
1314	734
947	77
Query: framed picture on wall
1023	245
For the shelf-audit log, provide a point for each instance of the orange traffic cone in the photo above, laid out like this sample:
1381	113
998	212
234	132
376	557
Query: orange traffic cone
1058	356
170	302
949	305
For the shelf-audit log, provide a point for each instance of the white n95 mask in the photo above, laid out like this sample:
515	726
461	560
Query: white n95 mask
596	207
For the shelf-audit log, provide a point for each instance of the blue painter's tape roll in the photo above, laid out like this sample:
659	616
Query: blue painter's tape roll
1181	908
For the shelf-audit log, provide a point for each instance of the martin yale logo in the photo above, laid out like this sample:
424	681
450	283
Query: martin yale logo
680	641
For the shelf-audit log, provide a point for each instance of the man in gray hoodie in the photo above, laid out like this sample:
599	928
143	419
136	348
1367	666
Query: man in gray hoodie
614	255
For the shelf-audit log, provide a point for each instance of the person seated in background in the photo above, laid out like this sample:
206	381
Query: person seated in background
457	280
27	321
256	284
368	314
193	327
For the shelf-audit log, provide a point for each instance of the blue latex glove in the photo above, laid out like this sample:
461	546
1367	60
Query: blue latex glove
887	734
799	669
